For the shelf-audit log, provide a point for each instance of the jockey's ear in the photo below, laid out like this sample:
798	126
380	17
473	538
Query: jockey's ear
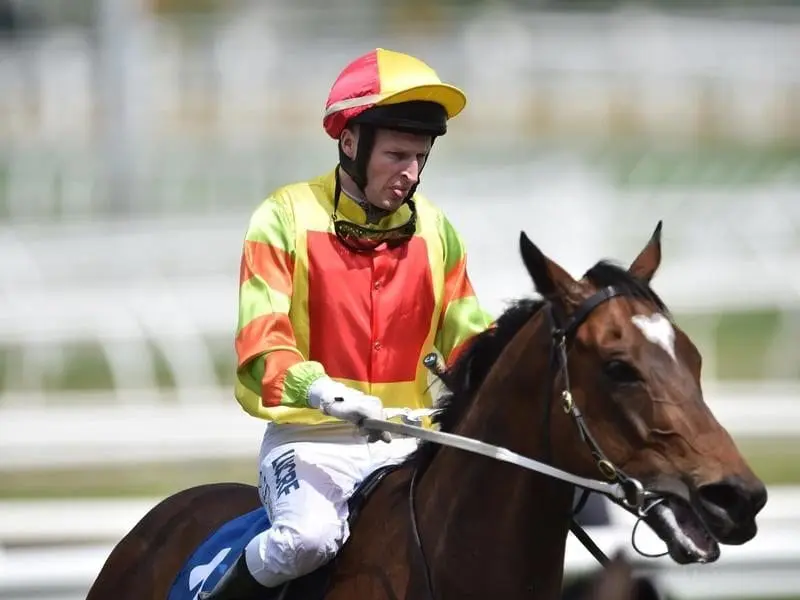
551	281
649	259
348	140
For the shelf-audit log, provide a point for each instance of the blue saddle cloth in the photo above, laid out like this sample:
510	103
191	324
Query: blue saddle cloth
216	554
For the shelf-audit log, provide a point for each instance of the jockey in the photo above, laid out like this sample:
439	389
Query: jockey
347	282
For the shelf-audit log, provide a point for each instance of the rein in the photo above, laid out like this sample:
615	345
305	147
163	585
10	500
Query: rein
619	487
631	494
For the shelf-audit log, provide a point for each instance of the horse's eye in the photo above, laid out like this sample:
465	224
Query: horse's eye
621	372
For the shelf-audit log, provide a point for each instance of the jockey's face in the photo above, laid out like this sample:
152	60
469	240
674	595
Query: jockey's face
397	158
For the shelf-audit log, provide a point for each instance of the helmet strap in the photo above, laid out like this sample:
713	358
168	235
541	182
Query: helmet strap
357	168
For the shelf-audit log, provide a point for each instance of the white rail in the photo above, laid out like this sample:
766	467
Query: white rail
86	430
32	566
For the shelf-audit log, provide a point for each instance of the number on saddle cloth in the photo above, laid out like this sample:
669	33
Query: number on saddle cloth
219	551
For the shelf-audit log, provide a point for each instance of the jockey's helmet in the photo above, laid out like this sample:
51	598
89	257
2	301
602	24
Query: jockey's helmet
391	90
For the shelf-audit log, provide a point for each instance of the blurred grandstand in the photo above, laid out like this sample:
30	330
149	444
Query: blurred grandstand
136	136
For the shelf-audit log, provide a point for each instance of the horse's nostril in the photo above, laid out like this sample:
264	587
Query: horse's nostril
735	497
758	498
722	495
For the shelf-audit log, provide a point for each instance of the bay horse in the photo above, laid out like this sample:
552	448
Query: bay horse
606	350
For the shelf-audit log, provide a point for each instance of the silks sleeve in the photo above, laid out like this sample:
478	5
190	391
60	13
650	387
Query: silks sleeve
271	371
462	317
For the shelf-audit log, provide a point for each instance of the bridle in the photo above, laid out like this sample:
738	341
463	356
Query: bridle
619	487
562	337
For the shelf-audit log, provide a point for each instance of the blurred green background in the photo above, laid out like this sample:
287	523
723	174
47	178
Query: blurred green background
158	113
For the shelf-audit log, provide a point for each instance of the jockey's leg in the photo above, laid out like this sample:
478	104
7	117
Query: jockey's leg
383	454
304	487
238	584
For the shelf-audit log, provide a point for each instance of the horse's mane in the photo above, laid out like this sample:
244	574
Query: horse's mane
465	377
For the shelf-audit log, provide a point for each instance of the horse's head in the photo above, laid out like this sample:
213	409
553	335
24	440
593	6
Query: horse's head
635	376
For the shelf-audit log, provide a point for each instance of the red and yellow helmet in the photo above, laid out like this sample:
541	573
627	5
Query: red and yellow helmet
384	78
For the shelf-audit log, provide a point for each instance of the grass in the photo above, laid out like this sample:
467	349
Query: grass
629	163
742	342
776	461
155	480
728	167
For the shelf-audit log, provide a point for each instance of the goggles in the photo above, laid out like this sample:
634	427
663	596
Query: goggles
362	238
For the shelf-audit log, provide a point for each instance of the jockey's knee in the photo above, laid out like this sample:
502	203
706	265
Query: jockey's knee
290	551
317	542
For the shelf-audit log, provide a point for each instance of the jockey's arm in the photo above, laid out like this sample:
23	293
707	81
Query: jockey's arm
462	316
271	371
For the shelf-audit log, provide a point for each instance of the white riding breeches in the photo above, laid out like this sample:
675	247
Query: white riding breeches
306	477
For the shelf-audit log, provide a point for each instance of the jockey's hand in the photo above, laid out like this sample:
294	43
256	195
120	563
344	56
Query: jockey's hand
338	400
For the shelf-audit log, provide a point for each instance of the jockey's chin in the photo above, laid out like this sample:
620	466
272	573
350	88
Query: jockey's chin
390	199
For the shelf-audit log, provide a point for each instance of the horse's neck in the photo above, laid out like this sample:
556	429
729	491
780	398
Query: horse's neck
491	529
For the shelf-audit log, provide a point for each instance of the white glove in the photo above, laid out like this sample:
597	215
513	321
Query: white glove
338	400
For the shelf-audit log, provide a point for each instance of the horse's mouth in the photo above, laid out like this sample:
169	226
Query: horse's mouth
681	528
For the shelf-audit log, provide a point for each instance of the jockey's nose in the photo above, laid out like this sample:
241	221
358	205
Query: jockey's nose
411	172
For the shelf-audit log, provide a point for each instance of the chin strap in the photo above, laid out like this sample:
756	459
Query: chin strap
357	168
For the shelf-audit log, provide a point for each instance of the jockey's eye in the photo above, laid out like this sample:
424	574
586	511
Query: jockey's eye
620	371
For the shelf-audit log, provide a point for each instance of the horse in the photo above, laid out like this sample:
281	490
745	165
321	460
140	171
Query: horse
616	582
592	376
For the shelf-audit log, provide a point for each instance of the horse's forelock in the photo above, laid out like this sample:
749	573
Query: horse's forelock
606	273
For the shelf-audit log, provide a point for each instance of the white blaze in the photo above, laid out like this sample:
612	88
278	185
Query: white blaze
658	330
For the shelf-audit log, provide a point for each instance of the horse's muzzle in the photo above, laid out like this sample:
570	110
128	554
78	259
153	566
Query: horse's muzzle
729	508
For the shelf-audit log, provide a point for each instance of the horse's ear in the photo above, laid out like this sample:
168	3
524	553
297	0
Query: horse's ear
615	581
646	264
550	279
